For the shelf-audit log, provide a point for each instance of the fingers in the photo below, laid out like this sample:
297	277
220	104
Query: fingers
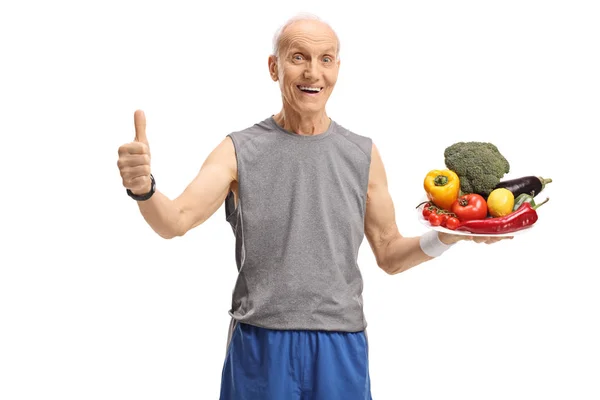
131	173
133	160
134	148
137	179
488	239
492	240
139	120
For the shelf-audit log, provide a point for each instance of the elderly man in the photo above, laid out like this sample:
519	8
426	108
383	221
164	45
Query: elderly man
300	192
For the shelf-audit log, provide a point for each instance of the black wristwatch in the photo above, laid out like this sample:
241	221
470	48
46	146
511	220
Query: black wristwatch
142	197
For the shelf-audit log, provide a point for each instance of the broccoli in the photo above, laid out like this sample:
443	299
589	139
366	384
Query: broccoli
479	166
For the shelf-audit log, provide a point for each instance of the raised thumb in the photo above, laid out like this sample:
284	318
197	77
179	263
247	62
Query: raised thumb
139	119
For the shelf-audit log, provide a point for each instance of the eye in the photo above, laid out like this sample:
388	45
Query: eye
298	57
327	59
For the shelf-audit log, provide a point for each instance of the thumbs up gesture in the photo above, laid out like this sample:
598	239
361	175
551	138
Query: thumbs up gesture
134	159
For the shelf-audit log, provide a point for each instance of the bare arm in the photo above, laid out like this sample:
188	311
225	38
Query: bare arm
200	199
394	253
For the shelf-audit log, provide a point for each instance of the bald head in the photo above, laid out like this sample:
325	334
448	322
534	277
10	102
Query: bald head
306	64
308	23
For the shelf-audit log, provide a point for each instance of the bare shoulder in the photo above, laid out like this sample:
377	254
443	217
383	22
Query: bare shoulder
377	175
224	157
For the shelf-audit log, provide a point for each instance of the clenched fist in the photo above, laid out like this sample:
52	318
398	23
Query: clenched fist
134	159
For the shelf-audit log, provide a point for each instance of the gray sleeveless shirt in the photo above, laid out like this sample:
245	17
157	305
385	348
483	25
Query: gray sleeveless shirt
298	226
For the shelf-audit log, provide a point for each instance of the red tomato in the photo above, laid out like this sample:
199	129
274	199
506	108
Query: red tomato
435	219
470	206
452	223
426	211
444	219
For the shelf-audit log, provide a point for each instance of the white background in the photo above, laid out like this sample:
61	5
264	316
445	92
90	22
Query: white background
95	305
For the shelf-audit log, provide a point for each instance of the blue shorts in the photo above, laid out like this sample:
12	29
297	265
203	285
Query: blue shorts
264	364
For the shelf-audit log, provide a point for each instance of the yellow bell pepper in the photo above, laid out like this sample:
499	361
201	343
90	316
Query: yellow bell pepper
442	187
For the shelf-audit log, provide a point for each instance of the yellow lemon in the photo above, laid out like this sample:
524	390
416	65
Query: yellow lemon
500	202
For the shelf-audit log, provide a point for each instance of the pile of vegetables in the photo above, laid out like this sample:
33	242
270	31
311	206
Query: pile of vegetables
470	195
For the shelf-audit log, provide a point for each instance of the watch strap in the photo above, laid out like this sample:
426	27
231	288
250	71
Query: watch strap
146	196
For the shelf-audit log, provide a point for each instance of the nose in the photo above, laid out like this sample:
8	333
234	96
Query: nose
312	70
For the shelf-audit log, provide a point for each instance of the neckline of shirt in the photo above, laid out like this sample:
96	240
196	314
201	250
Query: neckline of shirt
305	138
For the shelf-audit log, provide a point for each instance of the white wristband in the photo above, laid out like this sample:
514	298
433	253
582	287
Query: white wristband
432	245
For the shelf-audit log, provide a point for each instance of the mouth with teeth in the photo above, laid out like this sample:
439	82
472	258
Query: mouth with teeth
312	90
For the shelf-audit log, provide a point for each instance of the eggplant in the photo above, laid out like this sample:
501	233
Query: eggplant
531	185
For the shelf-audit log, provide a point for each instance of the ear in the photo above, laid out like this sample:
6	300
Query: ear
273	71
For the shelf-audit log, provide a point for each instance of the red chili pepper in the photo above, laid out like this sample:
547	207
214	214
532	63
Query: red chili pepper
522	218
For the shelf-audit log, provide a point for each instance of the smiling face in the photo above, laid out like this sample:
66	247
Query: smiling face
307	66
